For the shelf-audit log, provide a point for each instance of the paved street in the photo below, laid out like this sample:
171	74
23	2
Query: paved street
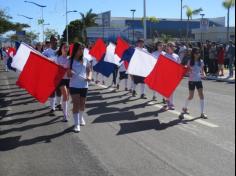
125	136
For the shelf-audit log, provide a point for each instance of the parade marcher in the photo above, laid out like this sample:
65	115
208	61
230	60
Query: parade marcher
196	73
156	54
123	76
51	54
64	84
174	57
139	79
80	73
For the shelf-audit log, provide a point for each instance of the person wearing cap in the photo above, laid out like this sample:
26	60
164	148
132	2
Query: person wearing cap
174	57
139	79
51	53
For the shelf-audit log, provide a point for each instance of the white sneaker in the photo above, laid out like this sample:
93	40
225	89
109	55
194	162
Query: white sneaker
77	129
82	122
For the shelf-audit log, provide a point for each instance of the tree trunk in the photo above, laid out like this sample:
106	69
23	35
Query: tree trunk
187	36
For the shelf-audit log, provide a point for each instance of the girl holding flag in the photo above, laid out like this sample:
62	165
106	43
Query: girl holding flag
81	73
64	84
196	73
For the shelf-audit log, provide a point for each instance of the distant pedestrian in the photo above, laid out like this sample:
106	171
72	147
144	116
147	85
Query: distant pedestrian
221	60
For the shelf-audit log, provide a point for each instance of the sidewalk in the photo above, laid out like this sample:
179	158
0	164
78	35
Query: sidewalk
222	78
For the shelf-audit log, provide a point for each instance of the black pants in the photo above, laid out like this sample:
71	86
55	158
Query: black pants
115	74
213	66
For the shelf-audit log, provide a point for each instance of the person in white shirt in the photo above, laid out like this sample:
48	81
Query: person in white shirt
139	79
174	57
63	60
156	54
80	73
196	74
5	58
51	54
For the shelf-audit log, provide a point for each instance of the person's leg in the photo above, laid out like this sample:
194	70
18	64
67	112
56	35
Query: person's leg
52	100
202	101
82	106
76	104
58	98
143	91
188	100
65	95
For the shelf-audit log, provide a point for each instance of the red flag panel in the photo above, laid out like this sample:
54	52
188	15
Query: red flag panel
166	76
40	77
98	50
121	47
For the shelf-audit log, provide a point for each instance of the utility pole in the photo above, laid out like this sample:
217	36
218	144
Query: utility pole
133	11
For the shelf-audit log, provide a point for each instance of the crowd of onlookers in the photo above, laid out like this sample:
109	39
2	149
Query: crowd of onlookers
217	57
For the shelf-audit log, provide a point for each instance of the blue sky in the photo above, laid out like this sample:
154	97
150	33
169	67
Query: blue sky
54	13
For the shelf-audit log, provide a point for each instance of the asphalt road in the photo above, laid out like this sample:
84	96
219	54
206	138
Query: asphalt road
125	136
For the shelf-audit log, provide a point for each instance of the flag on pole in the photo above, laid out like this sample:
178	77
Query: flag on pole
166	76
141	63
22	55
98	50
110	56
40	77
121	47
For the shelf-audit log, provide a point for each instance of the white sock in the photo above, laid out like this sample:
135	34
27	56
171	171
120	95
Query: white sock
81	115
53	103
65	109
186	103
171	100
142	88
76	119
202	105
58	100
126	83
132	85
154	94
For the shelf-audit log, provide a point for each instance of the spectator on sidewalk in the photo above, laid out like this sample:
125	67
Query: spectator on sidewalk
221	60
231	56
213	59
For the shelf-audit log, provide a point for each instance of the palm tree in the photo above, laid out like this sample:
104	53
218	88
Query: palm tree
190	13
88	20
228	4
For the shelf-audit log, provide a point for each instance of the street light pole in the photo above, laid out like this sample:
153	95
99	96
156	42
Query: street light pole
41	6
133	11
202	15
67	27
145	20
181	16
30	19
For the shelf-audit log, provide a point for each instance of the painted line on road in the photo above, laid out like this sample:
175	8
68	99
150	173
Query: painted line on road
188	117
8	87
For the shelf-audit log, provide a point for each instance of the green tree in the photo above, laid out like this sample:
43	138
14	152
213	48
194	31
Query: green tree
49	32
7	25
190	13
228	4
152	20
165	38
75	31
87	20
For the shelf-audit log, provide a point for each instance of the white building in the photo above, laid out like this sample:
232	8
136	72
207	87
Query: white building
217	34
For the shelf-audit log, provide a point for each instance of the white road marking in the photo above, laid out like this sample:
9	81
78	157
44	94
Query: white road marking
7	98
188	117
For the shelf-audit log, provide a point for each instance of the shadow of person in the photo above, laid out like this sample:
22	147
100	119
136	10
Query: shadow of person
11	143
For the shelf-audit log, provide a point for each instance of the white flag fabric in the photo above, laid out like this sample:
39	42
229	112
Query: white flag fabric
87	55
141	64
21	57
110	56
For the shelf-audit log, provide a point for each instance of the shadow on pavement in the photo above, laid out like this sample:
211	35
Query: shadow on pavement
11	143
